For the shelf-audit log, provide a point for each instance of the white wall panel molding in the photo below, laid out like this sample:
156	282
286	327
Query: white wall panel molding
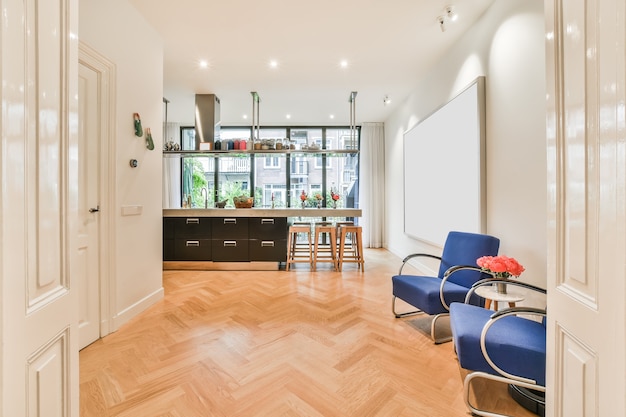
48	388
578	186
47	151
577	387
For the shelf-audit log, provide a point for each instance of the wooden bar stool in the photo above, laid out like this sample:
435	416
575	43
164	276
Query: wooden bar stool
299	252
338	225
350	251
325	244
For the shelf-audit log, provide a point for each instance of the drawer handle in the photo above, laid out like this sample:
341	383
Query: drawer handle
267	221
267	243
230	243
193	243
230	221
193	221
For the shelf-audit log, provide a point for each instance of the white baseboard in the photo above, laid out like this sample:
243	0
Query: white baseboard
133	310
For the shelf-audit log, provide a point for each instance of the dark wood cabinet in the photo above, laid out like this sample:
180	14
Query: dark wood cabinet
192	249
230	239
225	239
268	239
186	238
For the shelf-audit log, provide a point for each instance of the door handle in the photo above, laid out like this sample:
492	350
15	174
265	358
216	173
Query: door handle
94	210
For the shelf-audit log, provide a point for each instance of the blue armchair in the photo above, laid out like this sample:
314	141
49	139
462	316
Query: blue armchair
457	273
502	346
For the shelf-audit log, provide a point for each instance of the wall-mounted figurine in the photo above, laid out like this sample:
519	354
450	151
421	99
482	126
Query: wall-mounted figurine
138	128
149	142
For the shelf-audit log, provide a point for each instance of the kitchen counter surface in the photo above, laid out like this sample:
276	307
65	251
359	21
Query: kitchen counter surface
263	212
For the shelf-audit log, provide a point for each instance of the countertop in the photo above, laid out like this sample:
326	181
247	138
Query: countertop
263	212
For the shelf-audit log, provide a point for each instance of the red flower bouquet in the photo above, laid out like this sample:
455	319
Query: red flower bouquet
335	197
500	266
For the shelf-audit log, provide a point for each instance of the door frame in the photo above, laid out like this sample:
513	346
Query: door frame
106	83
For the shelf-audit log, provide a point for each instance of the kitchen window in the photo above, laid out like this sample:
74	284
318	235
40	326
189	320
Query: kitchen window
281	174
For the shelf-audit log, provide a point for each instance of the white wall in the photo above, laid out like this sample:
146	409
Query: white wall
507	46
118	32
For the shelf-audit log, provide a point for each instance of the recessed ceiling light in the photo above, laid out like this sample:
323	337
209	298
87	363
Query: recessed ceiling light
343	63
273	63
288	116
332	116
203	63
245	116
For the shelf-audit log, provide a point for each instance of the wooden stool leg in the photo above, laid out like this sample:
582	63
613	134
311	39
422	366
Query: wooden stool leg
359	248
333	247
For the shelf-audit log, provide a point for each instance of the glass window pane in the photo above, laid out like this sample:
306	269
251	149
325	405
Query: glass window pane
270	180
233	178
198	181
188	138
342	171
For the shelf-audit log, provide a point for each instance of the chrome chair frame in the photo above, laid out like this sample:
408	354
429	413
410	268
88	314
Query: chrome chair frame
446	276
505	377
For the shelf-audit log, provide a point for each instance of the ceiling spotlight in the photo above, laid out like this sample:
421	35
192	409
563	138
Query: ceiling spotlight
203	63
450	13
386	100
332	116
343	64
442	23
273	63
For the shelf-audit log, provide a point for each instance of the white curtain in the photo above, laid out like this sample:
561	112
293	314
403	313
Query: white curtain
171	168
372	187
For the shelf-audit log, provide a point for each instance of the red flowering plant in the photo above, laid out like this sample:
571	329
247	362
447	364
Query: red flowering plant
500	266
335	197
319	199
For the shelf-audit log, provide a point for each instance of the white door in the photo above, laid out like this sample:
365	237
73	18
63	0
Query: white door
38	208
585	45
88	257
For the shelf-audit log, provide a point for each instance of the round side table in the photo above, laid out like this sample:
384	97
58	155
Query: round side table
490	295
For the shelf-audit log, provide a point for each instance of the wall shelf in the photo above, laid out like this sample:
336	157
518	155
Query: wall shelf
235	152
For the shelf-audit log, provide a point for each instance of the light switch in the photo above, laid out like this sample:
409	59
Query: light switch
131	210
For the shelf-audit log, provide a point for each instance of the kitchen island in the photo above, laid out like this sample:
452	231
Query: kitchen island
234	238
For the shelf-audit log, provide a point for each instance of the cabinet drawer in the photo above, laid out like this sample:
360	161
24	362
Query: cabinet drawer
192	250
270	228
168	250
230	228
192	227
268	250
168	227
230	250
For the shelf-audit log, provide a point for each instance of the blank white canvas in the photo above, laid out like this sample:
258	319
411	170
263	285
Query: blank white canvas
443	169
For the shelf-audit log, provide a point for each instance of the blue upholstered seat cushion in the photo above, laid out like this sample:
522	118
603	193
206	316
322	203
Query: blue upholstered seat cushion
423	292
515	344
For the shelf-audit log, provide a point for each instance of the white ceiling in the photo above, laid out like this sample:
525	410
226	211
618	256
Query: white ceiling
389	45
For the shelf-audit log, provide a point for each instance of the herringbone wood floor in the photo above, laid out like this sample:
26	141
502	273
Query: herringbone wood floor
297	343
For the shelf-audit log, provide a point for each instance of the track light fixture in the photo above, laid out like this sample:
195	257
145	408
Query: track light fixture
450	13
442	23
448	16
386	100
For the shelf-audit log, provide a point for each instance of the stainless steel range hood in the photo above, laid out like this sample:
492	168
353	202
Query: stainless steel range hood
207	120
